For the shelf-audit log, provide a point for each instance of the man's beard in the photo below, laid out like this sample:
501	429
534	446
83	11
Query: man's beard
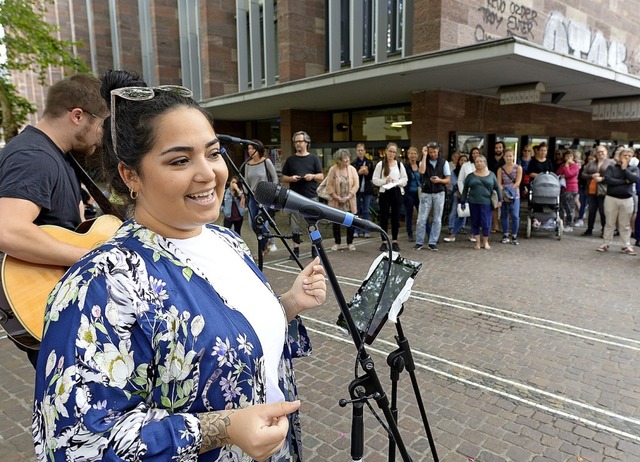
82	145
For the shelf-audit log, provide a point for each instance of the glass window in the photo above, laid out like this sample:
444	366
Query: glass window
466	141
389	124
395	28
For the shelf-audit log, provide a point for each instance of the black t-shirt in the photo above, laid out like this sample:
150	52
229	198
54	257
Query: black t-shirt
494	164
33	168
537	166
301	165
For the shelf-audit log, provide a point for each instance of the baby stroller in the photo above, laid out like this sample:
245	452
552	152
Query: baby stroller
544	204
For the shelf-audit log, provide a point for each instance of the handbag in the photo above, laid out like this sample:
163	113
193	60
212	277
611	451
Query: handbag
494	199
463	213
322	190
601	189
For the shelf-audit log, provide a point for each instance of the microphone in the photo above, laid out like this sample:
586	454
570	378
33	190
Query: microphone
272	195
234	140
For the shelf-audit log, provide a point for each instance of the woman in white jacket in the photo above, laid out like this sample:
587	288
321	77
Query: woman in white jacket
391	177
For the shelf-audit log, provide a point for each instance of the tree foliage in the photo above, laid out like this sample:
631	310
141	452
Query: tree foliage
32	46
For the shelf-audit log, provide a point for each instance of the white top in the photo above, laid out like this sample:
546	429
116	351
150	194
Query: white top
467	167
242	290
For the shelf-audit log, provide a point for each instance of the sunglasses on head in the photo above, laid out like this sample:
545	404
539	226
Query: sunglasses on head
140	94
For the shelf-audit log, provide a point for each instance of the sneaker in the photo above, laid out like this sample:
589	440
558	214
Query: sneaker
433	247
395	247
637	243
383	247
450	239
629	251
472	239
411	239
351	247
514	240
365	235
296	252
273	247
588	233
579	224
505	239
603	248
462	231
417	247
568	229
335	247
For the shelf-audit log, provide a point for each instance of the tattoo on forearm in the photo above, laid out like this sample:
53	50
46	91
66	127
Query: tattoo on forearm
214	427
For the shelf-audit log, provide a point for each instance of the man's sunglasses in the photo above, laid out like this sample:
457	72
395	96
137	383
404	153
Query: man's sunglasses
139	94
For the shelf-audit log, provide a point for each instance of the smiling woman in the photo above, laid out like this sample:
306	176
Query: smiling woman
149	348
185	156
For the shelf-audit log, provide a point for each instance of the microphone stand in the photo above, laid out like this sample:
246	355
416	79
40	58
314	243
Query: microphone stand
368	385
399	360
262	211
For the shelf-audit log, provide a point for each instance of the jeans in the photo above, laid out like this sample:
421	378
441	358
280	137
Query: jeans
364	202
411	200
455	222
596	204
428	202
583	203
511	209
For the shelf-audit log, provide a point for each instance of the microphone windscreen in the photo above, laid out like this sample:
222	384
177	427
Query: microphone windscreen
271	195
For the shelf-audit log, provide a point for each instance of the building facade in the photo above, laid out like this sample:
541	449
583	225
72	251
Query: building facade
462	72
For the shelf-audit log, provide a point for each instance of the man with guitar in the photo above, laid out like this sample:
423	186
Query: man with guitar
38	185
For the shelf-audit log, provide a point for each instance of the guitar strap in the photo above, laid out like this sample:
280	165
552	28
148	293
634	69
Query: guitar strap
106	206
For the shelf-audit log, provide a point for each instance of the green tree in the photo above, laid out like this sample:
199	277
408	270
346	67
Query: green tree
31	45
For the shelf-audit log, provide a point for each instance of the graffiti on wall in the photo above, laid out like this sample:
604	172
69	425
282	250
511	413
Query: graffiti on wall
505	18
580	41
508	18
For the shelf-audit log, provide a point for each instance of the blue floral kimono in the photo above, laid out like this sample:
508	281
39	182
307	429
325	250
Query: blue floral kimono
136	343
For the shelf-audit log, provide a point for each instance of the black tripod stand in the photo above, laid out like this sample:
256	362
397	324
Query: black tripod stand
398	360
261	217
367	386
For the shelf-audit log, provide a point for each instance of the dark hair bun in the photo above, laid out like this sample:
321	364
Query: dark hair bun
119	79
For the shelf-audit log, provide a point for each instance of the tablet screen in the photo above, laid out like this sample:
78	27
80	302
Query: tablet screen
363	304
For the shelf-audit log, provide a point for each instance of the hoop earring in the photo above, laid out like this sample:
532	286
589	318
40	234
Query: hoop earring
133	194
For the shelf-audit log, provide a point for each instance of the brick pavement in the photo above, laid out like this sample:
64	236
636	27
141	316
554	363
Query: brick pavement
524	353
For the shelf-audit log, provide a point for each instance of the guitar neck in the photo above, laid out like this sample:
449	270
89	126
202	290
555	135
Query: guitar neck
106	206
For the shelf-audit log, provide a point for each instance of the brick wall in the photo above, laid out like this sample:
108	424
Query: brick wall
465	113
219	48
316	124
301	39
166	34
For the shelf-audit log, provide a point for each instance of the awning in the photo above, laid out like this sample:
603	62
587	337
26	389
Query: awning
479	69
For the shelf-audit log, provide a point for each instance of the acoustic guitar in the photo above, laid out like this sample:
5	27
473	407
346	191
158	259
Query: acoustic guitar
25	287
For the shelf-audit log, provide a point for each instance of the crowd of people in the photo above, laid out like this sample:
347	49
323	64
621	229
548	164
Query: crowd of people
487	193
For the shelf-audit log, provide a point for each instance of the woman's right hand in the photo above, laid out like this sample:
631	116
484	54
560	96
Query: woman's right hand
259	430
